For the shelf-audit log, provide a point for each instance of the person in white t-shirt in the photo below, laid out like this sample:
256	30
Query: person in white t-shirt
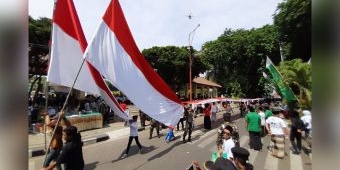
307	120
228	143
133	135
263	120
277	129
213	111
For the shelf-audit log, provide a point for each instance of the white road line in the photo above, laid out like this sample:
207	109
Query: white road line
243	141
213	131
253	155
31	165
271	162
295	162
207	141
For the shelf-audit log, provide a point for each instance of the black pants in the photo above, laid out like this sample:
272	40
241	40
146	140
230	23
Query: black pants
187	130
207	122
180	121
295	140
130	141
255	140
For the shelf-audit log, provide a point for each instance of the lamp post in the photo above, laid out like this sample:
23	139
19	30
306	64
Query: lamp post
190	39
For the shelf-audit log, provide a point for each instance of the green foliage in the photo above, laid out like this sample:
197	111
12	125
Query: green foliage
293	18
237	59
298	75
172	64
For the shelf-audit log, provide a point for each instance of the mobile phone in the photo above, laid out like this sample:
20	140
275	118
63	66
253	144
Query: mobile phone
191	167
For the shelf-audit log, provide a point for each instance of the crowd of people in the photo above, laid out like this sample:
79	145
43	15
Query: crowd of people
261	120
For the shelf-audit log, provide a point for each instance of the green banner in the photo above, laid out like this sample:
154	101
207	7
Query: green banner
285	91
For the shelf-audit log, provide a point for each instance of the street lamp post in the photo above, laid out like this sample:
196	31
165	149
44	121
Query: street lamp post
190	39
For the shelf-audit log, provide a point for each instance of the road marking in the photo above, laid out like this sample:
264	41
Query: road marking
207	142
31	165
243	140
295	161
271	162
204	136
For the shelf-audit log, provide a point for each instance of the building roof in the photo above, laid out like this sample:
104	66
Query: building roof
203	81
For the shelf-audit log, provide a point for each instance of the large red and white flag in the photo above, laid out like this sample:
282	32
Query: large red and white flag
115	54
68	46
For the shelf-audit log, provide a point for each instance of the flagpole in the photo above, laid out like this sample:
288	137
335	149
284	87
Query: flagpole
69	93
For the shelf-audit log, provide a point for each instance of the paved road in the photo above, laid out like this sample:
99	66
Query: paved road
176	155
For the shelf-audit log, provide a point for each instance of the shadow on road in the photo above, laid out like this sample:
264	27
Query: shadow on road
91	166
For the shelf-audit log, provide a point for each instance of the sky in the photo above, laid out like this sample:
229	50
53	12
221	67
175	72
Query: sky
166	22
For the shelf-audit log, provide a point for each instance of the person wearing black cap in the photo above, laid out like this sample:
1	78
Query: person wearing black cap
223	164
71	154
241	156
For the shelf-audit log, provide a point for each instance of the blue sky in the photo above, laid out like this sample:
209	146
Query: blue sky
166	22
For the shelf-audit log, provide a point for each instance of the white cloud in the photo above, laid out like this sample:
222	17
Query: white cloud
165	22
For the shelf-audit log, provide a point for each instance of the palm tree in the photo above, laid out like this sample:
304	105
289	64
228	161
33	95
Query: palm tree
298	75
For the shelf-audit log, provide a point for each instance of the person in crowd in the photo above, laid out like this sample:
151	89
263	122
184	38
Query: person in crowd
295	132
213	110
253	125
154	124
56	143
240	159
234	130
189	119
277	129
71	154
263	120
181	121
133	135
228	143
307	120
169	135
267	110
207	113
242	108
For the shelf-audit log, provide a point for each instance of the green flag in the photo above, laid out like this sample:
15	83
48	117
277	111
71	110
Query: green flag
285	91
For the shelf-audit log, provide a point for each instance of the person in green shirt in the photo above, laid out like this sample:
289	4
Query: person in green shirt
253	125
267	111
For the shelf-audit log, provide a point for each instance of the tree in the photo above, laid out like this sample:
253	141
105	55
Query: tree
39	36
298	75
293	18
237	59
172	64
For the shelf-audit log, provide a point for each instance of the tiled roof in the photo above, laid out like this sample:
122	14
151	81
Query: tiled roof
203	81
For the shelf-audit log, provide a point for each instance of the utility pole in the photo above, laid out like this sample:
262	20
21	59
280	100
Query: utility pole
191	37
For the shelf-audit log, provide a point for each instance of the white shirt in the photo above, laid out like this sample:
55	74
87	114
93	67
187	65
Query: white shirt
307	118
263	118
227	145
213	109
133	129
276	125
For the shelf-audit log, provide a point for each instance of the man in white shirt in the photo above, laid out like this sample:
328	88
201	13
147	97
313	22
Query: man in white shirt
277	129
133	135
228	143
263	120
307	120
213	111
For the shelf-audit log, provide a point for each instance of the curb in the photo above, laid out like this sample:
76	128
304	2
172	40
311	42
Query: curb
41	151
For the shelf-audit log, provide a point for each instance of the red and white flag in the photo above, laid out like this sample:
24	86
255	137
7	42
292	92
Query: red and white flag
68	46
115	54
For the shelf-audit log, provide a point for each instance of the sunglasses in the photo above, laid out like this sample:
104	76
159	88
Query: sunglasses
226	133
